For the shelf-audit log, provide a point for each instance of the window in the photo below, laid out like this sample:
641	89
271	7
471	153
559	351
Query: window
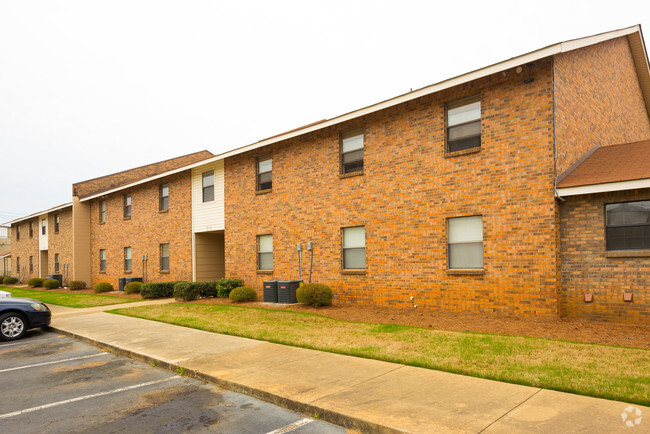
56	262
627	225
102	211
208	186
164	197
17	232
102	260
43	226
127	259
463	126
164	257
31	264
264	174
56	223
354	248
18	265
351	153
265	252
465	242
127	206
31	229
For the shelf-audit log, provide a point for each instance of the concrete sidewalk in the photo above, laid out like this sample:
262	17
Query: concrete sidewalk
361	394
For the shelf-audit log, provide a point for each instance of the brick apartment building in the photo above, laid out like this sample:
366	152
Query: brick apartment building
469	194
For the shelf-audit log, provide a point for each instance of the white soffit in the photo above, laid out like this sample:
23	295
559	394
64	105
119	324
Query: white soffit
604	188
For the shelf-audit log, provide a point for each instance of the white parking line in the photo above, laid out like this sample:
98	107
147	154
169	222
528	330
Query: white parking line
28	341
51	363
81	398
297	424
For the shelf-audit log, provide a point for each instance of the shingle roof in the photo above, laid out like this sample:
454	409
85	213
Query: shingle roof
616	163
114	180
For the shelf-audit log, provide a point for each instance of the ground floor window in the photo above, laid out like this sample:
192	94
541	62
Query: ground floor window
56	262
127	259
265	252
627	225
102	260
31	264
465	242
164	257
354	248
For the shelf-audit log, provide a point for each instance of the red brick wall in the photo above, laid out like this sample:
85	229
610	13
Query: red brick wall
598	100
24	248
408	190
588	269
60	243
144	232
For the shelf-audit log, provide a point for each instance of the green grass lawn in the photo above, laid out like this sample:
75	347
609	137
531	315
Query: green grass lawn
69	300
595	370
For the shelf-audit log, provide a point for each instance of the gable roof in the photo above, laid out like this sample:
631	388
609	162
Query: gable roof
609	168
129	176
39	213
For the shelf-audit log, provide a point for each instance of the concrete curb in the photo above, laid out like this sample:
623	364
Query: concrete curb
310	410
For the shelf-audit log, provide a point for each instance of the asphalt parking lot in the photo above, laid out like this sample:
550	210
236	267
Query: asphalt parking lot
52	383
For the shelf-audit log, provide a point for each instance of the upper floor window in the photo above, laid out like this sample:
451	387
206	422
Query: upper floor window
18	232
354	248
208	186
43	227
264	173
127	259
627	225
31	229
465	242
56	223
102	211
352	152
164	197
164	257
463	126
265	252
102	260
127	206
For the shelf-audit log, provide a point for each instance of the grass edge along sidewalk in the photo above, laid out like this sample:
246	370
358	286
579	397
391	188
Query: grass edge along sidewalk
67	300
600	371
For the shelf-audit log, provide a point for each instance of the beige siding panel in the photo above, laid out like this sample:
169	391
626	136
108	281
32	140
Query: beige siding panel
42	239
208	216
81	240
209	251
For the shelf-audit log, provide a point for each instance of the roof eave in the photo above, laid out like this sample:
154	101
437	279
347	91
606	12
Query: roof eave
607	187
40	213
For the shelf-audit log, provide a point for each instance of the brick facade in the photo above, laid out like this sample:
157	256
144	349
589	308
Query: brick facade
22	249
60	243
144	231
598	100
408	189
588	268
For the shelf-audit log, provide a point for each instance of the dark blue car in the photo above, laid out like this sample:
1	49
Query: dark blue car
17	315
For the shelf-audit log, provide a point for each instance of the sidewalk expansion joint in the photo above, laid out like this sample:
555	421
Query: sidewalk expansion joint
358	384
511	410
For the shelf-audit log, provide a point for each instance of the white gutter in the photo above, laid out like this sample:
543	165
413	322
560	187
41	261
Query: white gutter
40	213
604	188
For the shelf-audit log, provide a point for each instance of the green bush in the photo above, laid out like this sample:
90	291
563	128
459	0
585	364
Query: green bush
103	287
133	287
77	285
35	282
243	293
224	286
207	289
187	291
51	284
314	294
9	280
158	289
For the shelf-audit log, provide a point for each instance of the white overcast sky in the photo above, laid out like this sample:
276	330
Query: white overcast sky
89	88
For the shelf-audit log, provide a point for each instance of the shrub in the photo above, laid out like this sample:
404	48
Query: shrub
133	287
35	282
314	294
225	286
9	280
243	293
187	291
157	289
207	289
51	284
77	285
103	287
